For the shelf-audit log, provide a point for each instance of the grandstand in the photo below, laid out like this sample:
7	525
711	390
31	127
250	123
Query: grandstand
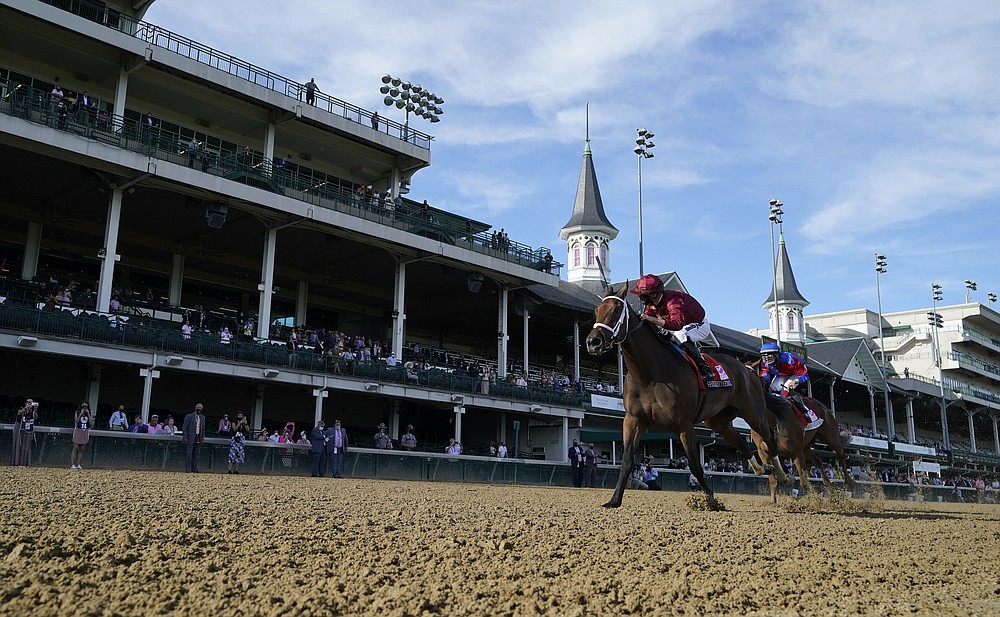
196	188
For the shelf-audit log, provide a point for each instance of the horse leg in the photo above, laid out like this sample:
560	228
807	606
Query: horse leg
762	428
630	440
691	448
804	484
772	480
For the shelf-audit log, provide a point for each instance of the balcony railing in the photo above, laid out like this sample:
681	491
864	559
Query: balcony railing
251	168
154	35
135	333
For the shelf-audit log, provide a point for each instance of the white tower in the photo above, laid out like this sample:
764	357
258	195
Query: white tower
588	233
787	321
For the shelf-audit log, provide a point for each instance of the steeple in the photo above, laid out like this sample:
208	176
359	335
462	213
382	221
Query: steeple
791	302
588	232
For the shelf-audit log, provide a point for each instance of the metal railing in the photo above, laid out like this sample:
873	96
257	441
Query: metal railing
131	332
250	168
154	35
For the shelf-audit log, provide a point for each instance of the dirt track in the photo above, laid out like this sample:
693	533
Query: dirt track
89	542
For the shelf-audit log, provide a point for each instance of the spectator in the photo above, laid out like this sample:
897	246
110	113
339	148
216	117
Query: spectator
502	450
83	421
453	447
170	428
237	445
225	427
336	445
408	441
186	331
382	439
119	420
225	336
576	462
636	478
311	89
317	450
154	427
24	433
650	476
193	431
193	149
303	439
375	120
590	467
138	426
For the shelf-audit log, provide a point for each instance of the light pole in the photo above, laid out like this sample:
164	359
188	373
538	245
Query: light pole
880	269
412	98
775	218
970	286
643	150
992	297
937	322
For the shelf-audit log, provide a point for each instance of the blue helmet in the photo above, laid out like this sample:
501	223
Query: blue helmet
770	348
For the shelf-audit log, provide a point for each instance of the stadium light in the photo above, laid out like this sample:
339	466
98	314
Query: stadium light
937	322
643	150
992	297
970	286
775	218
413	98
880	269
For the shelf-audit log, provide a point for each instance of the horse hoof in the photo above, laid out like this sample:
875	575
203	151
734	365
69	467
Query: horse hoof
766	470
611	504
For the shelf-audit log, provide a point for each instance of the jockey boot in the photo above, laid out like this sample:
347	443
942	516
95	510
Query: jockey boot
691	349
814	421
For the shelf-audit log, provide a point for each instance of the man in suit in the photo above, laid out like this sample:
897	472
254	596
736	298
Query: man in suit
317	450
193	432
336	445
576	463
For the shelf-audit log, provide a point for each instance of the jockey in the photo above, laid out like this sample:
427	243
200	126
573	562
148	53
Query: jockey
782	372
679	314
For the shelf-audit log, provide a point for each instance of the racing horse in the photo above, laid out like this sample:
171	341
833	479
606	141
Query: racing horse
662	390
793	443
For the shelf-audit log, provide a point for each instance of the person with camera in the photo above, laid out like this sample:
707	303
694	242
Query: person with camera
24	433
83	421
650	476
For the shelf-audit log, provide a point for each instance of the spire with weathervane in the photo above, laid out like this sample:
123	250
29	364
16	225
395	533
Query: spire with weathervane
588	233
788	321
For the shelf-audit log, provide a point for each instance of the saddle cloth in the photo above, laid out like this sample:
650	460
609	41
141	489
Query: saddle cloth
720	378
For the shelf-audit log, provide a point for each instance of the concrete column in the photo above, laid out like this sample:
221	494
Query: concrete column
503	336
996	435
394	420
564	439
972	430
148	375
394	181
576	348
32	246
320	394
269	144
257	413
526	319
398	314
911	429
301	303
266	286
871	401
94	387
458	410
107	269
121	90
833	401
176	280
502	426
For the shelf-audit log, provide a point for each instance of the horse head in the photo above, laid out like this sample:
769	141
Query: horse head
610	321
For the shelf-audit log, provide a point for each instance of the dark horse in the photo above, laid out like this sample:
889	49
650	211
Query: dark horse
795	444
661	390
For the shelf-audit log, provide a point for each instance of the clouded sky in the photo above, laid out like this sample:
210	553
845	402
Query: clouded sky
876	123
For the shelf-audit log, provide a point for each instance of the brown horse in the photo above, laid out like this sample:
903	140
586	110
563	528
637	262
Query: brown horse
662	390
795	444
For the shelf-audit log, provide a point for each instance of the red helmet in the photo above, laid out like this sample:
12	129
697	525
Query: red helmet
648	284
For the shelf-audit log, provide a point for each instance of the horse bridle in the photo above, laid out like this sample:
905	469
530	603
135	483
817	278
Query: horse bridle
621	326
